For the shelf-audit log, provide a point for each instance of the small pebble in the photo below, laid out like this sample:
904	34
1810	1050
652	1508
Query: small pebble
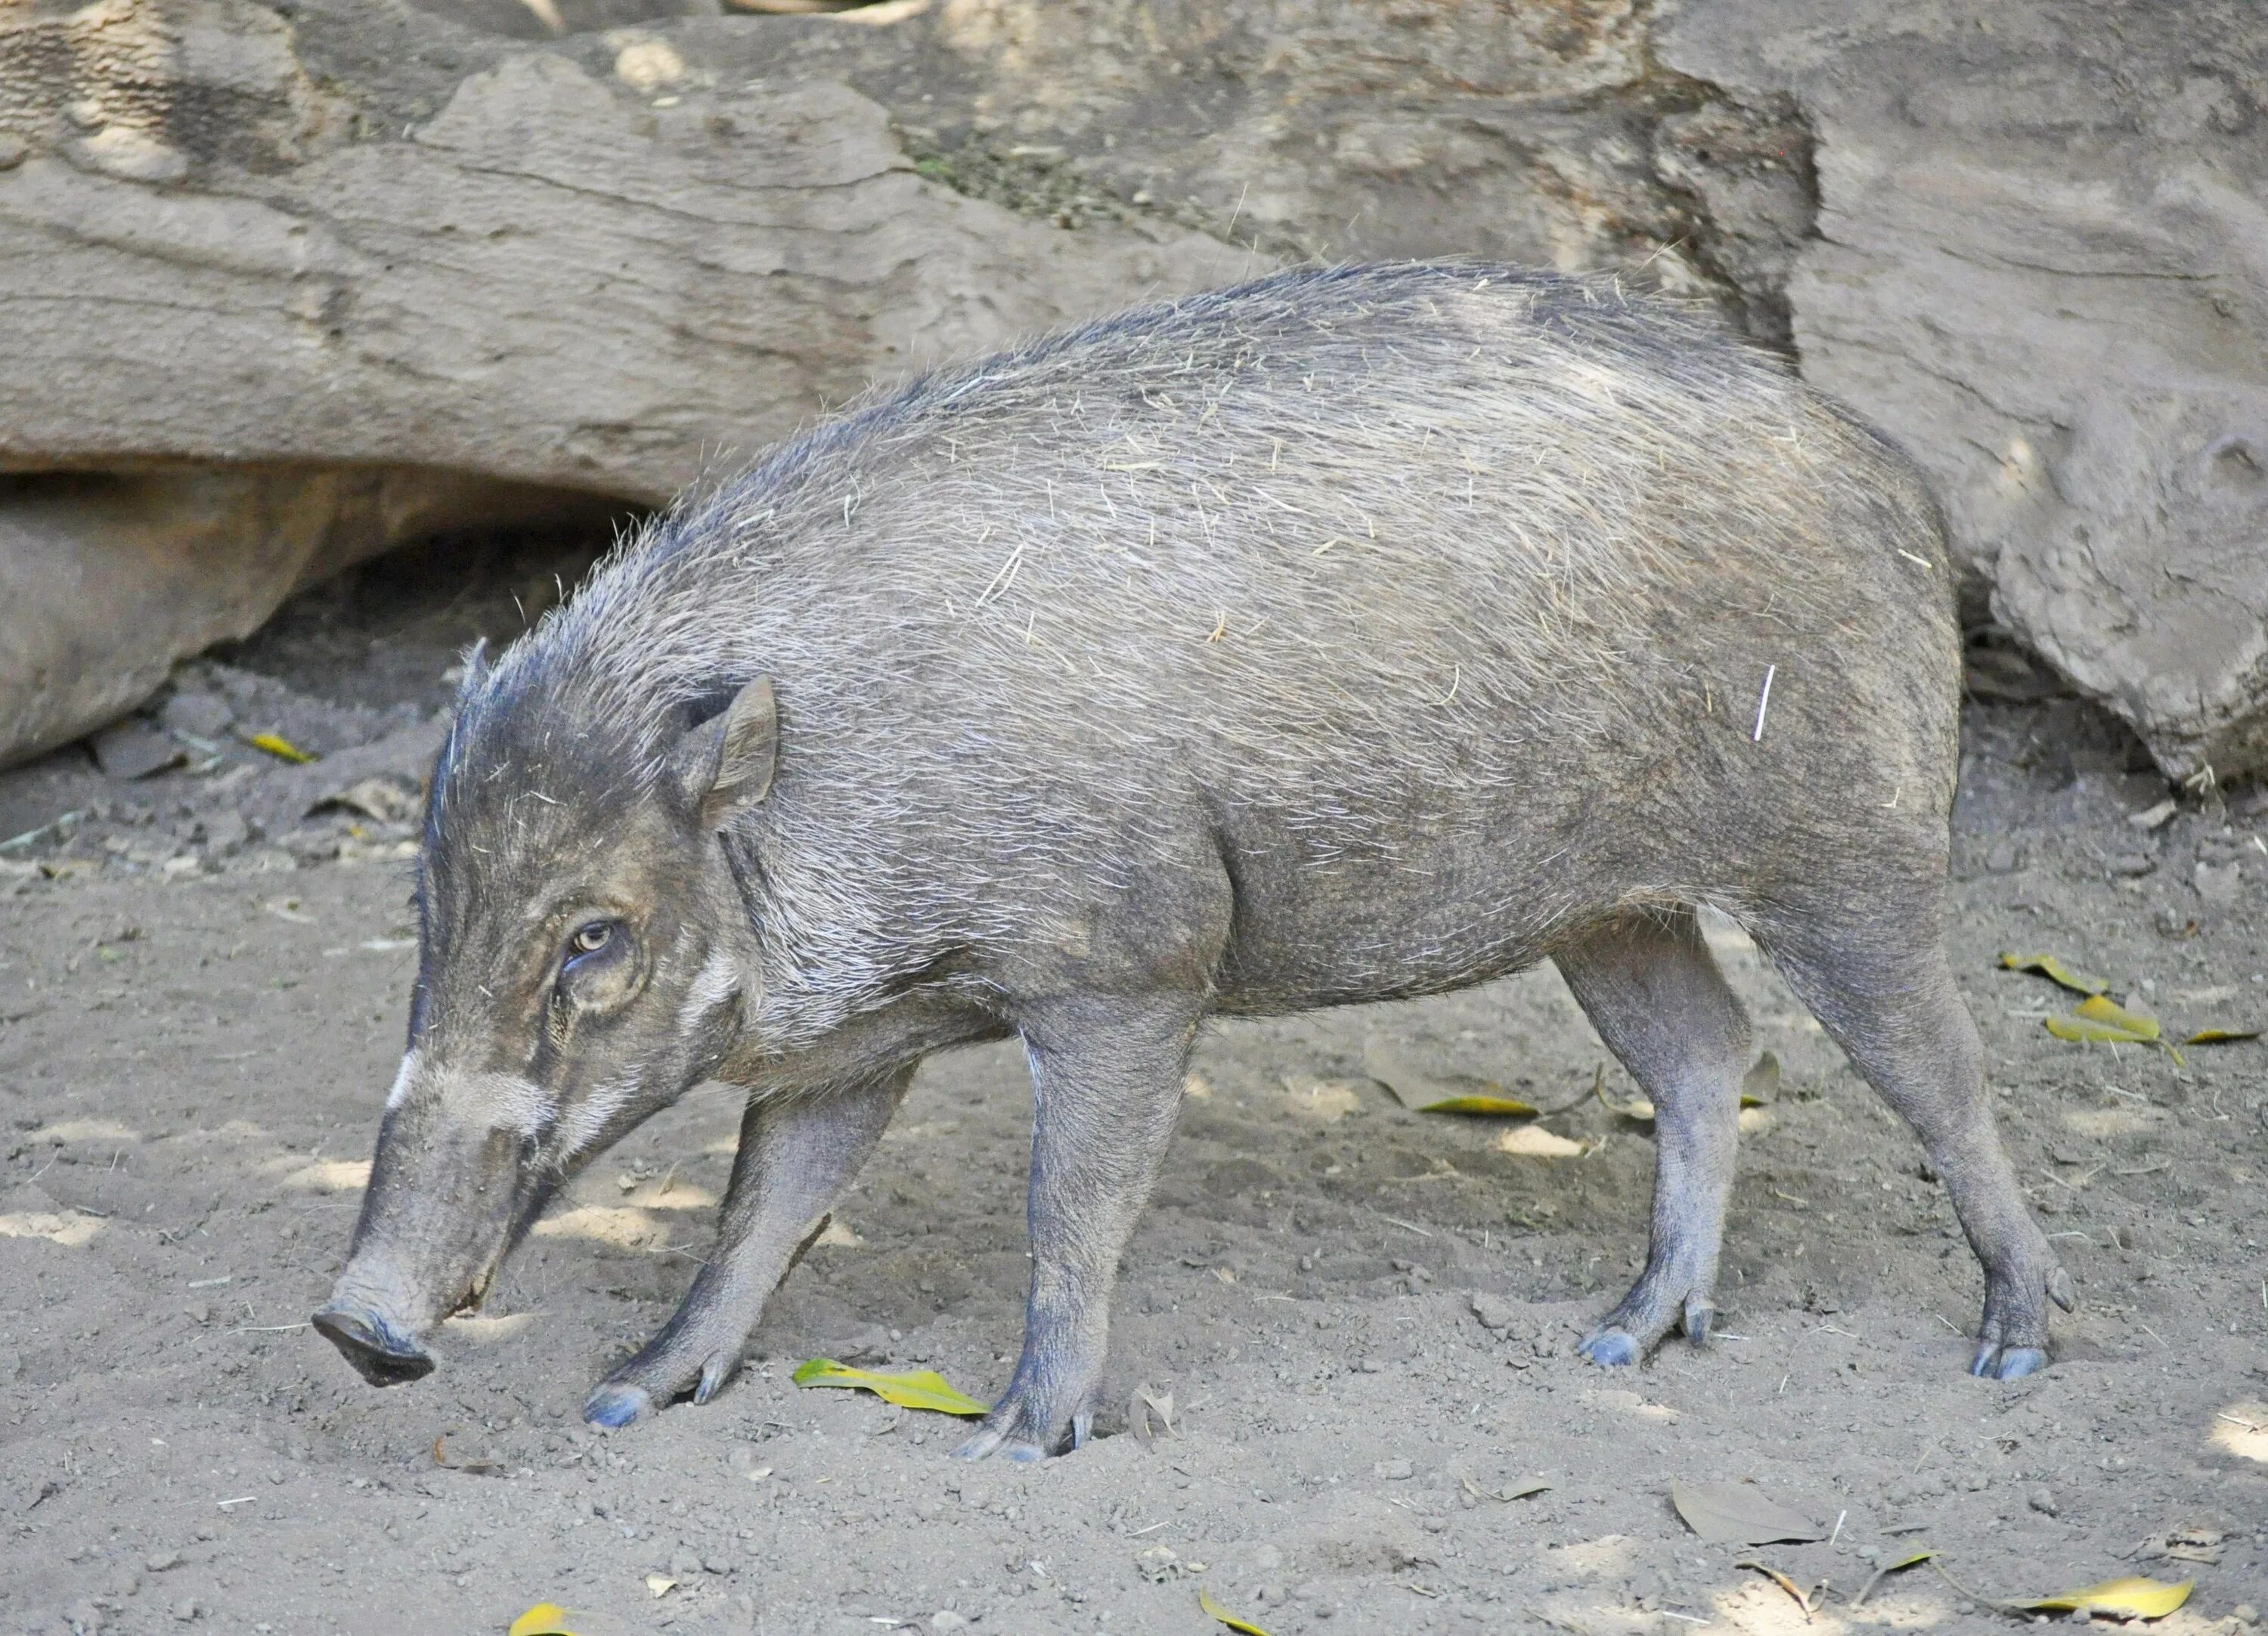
946	1620
2042	1501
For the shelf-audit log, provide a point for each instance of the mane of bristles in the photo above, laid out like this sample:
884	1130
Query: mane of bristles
666	620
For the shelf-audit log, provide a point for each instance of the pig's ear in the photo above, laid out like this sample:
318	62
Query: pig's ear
472	665
724	763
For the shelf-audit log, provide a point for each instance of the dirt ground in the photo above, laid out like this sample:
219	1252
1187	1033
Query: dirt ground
1365	1316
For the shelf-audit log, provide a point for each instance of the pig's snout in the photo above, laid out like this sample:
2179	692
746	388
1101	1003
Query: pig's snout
380	1353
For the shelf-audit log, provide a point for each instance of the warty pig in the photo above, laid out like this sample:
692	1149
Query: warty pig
1345	635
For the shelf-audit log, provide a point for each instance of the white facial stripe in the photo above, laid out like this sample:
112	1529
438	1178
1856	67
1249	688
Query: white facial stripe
712	986
497	1101
583	1126
402	1080
500	1102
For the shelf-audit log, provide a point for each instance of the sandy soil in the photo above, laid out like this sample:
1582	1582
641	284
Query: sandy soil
1366	1315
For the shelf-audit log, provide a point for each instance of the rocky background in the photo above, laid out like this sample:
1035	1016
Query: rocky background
287	285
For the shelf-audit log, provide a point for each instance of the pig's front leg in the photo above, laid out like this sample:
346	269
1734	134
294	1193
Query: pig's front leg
797	1154
1105	1083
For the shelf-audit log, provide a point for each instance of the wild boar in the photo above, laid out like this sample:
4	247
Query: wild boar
1349	635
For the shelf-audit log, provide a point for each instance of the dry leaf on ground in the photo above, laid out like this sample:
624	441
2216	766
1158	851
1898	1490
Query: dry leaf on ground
2097	1008
2055	971
1911	1560
917	1388
2081	1031
1150	1414
1782	1581
1421	1092
281	748
2221	1036
2129	1598
1514	1490
1219	1612
1740	1514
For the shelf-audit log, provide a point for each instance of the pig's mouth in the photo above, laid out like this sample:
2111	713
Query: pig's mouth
380	1353
385	1352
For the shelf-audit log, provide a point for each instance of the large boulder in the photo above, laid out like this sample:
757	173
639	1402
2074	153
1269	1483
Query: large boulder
107	578
498	277
2041	262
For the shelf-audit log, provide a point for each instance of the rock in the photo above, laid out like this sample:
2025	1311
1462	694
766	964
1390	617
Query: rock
389	797
2217	883
396	300
207	715
946	1620
2041	1501
226	832
1395	1470
2038	267
106	580
1494	1311
132	750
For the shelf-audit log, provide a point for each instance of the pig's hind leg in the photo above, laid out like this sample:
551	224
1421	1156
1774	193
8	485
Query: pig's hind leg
797	1154
1107	1075
1650	986
1875	975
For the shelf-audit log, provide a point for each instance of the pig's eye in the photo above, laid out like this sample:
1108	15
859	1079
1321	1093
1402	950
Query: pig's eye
589	940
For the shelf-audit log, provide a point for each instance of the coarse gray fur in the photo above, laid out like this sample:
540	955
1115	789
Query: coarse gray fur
1348	635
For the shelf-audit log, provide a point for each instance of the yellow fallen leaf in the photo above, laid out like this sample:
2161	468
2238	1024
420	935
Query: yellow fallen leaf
2096	1009
1497	1107
281	748
545	1618
660	1585
2081	1031
2055	971
1761	1083
1781	1580
1911	1560
1247	1626
2121	1598
1422	1092
917	1388
2221	1036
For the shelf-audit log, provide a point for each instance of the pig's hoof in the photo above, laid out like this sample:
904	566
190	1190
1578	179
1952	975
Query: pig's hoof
1008	1433
992	1440
1610	1349
2007	1363
616	1404
380	1353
